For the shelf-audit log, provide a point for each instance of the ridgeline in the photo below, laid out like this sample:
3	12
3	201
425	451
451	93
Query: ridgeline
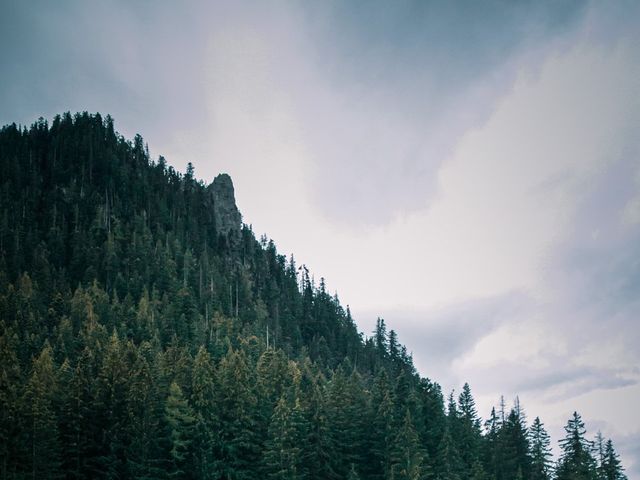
146	333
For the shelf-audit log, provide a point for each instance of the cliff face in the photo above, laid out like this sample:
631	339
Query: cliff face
227	216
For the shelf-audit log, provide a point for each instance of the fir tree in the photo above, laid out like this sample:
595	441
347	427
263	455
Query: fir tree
203	401
44	451
285	441
576	461
408	456
611	465
10	376
540	451
179	419
469	431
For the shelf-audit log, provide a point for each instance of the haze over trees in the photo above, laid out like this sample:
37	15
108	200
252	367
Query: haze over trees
146	333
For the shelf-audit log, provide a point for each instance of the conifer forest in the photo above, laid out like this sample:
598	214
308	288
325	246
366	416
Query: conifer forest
147	333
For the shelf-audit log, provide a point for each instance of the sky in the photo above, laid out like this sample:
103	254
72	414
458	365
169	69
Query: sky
469	171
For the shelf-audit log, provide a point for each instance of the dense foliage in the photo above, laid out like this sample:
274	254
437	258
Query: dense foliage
140	340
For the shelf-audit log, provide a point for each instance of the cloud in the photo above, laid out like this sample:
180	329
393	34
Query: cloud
437	337
395	100
629	445
471	175
562	381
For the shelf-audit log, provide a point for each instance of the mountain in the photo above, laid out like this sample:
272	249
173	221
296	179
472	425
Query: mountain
145	332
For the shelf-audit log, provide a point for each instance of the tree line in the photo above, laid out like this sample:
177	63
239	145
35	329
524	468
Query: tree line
139	341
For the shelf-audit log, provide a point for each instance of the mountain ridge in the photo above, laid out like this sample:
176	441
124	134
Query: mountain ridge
146	333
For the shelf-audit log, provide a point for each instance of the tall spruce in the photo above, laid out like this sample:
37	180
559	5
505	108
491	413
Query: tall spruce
180	421
576	461
541	465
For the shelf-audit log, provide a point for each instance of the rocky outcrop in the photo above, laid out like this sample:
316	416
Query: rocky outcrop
227	216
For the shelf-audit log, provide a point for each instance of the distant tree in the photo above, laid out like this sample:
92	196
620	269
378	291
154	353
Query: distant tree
283	457
447	464
381	439
203	401
540	451
491	452
10	374
611	465
468	430
238	444
346	408
180	421
576	461
42	387
408	456
514	456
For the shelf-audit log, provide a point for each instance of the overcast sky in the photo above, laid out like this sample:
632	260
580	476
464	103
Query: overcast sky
470	171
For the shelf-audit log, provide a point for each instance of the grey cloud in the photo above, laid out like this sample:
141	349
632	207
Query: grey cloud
596	270
382	93
142	65
566	381
417	76
438	337
628	446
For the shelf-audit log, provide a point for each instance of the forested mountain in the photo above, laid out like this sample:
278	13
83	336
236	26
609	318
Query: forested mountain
146	333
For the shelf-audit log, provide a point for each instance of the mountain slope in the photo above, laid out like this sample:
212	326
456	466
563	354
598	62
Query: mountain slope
146	333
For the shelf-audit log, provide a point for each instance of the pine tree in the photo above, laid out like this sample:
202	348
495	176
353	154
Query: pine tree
491	449
433	419
145	412
346	405
380	441
203	401
540	451
283	457
238	446
408	457
611	465
179	418
10	375
514	447
44	458
598	453
320	445
576	461
111	415
469	431
353	474
447	465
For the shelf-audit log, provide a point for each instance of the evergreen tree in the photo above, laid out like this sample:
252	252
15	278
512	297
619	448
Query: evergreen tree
145	409
238	446
284	447
179	419
448	465
576	461
491	450
353	474
469	431
408	457
10	376
44	452
347	406
203	401
513	441
320	443
381	439
540	451
611	465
